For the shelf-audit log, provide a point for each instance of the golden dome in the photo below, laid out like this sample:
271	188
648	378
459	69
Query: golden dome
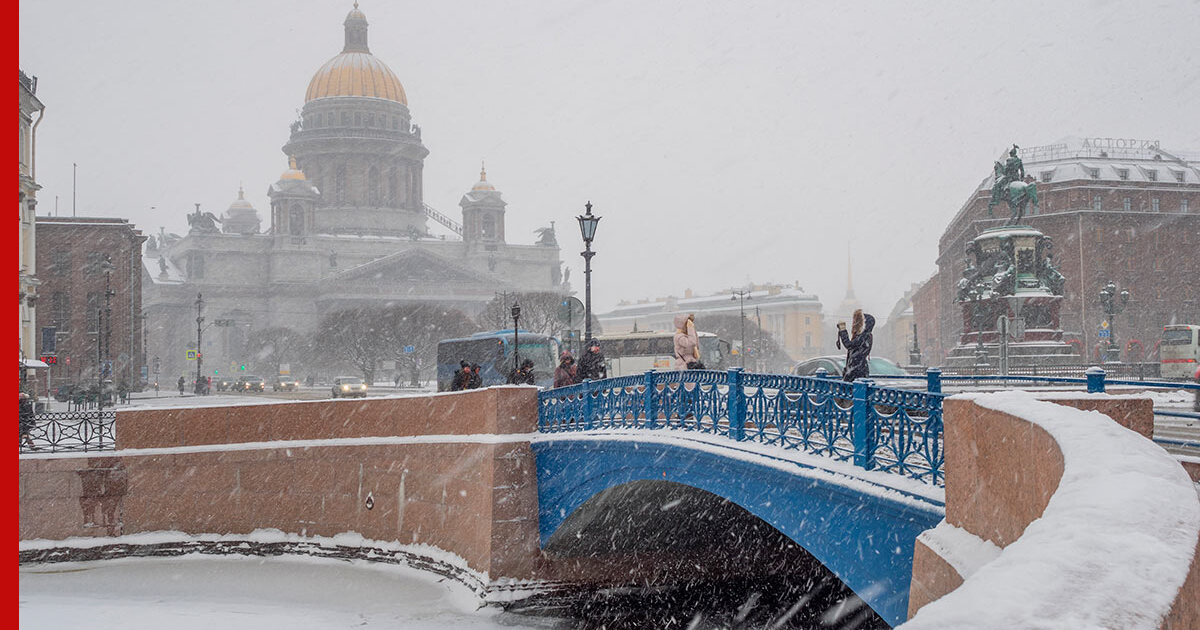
483	183
293	172
356	74
241	203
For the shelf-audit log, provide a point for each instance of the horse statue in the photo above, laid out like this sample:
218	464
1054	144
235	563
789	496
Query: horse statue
1018	194
202	221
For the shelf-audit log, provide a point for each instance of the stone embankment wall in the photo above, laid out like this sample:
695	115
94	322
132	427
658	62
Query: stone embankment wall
454	471
1002	473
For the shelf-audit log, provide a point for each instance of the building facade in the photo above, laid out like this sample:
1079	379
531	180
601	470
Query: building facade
791	316
348	226
91	288
27	213
1126	211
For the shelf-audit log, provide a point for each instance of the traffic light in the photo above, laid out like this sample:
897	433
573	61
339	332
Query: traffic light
242	367
216	372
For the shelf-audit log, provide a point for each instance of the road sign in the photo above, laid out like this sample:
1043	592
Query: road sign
1104	325
285	369
191	355
409	349
570	310
1104	333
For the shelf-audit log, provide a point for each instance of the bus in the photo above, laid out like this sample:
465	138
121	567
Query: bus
493	351
1179	351
638	352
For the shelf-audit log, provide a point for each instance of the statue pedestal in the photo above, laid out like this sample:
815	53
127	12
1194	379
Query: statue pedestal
1011	285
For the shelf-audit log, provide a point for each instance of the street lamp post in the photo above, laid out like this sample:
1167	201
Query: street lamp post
103	332
587	228
516	315
199	338
1114	304
742	296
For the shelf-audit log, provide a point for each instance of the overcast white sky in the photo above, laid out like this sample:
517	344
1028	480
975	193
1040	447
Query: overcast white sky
722	142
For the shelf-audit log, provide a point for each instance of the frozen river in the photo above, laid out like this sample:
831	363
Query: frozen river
235	593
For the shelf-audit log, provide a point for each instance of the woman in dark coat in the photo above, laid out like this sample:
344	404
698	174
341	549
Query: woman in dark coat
591	365
858	347
522	375
566	373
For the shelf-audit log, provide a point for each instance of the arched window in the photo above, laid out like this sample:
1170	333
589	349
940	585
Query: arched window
296	220
393	197
339	185
373	188
489	226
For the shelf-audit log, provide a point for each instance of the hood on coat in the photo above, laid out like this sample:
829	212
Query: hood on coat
681	321
868	323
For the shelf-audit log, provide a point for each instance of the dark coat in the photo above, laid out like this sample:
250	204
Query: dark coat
858	350
566	374
461	380
523	376
25	416
475	381
591	365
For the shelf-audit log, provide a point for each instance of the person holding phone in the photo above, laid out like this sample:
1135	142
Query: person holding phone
687	343
857	344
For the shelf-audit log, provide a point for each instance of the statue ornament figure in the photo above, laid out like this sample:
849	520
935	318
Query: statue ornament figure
202	221
1014	186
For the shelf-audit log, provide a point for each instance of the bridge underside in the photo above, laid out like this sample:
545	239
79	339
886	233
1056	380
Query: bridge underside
666	505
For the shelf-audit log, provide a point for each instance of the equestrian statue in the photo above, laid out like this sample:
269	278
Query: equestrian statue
1014	186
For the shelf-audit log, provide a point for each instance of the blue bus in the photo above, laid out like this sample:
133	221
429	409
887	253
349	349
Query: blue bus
493	351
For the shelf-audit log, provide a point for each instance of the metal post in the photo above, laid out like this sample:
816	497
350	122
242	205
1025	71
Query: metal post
864	447
588	422
736	406
108	293
587	228
99	360
199	339
648	400
933	378
1095	380
741	297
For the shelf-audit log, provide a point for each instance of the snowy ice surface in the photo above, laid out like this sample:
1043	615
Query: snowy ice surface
965	551
1112	548
802	464
247	593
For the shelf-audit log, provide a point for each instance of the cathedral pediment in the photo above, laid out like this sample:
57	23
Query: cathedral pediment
414	267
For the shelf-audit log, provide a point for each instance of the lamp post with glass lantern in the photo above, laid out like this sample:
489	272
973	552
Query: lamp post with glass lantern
587	228
1113	303
516	315
742	296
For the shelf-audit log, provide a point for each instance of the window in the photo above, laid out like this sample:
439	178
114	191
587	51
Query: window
1154	205
489	227
1094	173
1097	204
1183	207
339	185
195	265
93	311
1047	176
345	119
393	195
60	264
1128	203
1122	173
373	187
1178	176
808	340
371	119
296	220
807	320
1151	174
357	119
95	261
60	311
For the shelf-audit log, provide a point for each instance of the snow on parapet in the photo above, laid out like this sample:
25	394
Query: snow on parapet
1112	548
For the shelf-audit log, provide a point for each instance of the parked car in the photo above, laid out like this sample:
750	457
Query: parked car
284	384
348	386
250	384
836	365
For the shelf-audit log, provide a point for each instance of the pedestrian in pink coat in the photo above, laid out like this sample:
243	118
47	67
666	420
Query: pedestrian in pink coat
687	342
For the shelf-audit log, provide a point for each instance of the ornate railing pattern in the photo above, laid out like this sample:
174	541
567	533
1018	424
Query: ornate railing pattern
894	430
71	431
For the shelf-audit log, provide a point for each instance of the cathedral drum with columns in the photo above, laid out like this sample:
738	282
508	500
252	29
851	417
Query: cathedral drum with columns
348	227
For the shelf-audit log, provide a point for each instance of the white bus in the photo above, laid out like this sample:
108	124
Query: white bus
1179	351
637	352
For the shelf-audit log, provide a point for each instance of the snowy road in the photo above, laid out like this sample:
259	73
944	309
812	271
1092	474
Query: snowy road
242	593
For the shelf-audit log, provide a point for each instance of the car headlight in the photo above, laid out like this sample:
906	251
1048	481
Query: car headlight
345	387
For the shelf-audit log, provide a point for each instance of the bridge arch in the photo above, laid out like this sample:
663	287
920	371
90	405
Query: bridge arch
863	533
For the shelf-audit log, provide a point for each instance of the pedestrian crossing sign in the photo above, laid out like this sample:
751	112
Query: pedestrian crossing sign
191	355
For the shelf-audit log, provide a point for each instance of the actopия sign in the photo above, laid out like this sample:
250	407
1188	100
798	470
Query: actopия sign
1119	143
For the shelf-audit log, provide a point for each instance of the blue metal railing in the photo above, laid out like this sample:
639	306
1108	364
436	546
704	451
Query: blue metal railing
876	428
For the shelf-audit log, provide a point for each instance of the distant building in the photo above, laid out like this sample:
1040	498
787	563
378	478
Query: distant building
894	334
74	254
348	226
1121	210
791	316
27	211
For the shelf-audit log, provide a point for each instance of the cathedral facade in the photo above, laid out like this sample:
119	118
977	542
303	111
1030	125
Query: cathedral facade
348	226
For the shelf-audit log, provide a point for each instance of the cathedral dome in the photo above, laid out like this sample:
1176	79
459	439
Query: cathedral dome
293	172
356	72
483	183
241	217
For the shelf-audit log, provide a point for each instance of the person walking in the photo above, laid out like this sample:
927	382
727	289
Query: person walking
687	343
522	375
181	384
591	365
462	377
567	373
857	344
476	379
1197	405
25	420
